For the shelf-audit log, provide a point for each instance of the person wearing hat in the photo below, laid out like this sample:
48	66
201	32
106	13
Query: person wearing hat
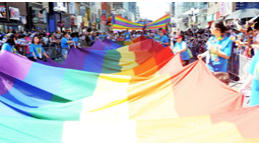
180	46
164	40
10	43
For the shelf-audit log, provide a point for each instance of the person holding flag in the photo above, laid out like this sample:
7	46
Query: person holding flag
164	40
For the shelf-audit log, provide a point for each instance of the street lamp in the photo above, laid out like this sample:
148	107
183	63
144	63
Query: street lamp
60	10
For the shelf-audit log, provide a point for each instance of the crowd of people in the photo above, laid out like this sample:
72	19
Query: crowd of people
217	44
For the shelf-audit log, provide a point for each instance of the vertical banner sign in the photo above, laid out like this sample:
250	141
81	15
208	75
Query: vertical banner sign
14	13
85	19
103	19
2	11
72	7
88	14
82	11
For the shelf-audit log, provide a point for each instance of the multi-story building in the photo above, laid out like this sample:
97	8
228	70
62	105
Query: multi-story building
189	14
213	12
118	8
13	16
126	10
137	14
106	12
133	9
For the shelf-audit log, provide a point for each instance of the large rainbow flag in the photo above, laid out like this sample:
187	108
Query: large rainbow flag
110	60
120	23
163	22
157	100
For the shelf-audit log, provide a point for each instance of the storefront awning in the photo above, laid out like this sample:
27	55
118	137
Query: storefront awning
210	18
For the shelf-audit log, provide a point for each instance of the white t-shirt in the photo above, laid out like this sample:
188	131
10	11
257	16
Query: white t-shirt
256	38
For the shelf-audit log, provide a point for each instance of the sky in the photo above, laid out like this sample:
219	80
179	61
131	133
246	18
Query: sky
153	10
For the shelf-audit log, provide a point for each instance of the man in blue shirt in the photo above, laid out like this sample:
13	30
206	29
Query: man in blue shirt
164	40
64	44
127	36
219	64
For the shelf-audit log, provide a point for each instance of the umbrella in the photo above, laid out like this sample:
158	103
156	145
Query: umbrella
244	13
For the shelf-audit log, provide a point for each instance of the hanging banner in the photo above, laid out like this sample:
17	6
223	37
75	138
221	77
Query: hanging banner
103	19
88	13
85	19
2	11
72	7
82	11
226	8
14	13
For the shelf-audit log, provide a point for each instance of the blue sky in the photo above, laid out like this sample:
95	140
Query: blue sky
153	10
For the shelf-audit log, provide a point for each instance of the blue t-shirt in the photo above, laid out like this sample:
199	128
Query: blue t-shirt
178	47
220	64
37	49
8	47
254	70
64	43
75	39
101	37
127	36
164	39
157	38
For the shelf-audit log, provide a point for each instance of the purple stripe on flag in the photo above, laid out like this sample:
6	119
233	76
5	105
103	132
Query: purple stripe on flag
17	67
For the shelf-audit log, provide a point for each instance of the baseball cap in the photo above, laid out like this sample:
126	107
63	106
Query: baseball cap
164	31
178	36
9	35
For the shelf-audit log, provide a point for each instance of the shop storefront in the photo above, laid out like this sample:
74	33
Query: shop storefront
39	20
11	22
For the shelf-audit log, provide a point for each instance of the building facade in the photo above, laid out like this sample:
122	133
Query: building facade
13	16
133	10
185	17
137	14
213	12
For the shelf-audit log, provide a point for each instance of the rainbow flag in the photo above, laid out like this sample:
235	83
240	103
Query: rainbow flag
120	23
176	104
162	22
109	60
125	43
109	21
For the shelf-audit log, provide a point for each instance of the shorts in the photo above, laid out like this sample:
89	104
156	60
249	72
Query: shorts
65	51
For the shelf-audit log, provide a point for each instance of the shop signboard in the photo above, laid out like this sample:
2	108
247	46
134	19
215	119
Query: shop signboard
85	19
103	12
226	8
2	11
246	5
185	20
14	13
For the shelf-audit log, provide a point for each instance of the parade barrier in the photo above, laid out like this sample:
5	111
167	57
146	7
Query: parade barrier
243	67
65	105
238	64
